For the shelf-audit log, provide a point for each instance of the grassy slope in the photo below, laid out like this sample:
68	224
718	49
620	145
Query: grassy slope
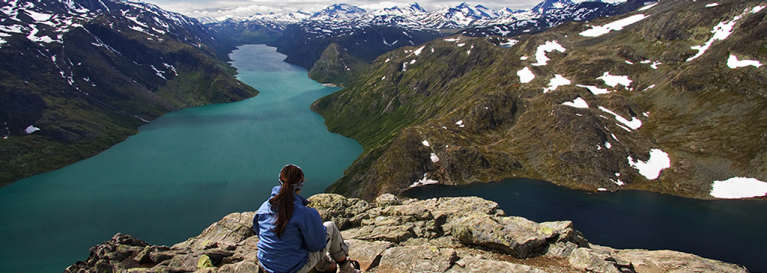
707	117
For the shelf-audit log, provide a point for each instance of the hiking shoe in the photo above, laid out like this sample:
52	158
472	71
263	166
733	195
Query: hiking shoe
349	266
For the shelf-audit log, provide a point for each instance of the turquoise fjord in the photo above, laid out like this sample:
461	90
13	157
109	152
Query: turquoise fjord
183	171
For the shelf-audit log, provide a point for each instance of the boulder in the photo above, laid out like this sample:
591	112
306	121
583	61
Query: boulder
387	199
339	209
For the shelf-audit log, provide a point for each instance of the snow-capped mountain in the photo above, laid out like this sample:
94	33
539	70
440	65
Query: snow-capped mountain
546	5
339	11
367	34
345	16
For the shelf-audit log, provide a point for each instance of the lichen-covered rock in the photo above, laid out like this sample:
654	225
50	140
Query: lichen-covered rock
483	265
367	253
517	236
387	199
417	259
460	234
669	261
593	261
339	209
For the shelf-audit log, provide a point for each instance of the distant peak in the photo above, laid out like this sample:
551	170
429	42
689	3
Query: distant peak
417	7
340	10
549	4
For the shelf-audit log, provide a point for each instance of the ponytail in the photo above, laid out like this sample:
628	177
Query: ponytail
291	180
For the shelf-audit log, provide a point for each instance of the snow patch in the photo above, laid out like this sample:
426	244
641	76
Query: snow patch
608	145
460	123
509	43
31	129
555	82
738	187
158	72
597	31
171	68
418	51
549	46
426	143
613	80
38	16
523	58
647	7
712	5
525	75
424	181
651	168
434	158
721	31
635	123
733	62
577	103
594	90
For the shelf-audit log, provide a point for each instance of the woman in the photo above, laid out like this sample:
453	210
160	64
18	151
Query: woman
292	237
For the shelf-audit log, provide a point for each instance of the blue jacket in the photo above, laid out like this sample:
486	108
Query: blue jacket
304	233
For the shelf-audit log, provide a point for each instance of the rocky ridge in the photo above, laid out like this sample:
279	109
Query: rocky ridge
465	234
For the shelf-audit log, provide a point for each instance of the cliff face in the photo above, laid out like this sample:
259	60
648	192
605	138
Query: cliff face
466	234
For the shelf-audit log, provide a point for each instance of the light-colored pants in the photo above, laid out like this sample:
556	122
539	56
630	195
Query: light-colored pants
334	246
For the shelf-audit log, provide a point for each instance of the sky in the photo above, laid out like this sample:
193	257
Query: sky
222	8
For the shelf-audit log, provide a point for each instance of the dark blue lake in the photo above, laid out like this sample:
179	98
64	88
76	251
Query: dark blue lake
730	230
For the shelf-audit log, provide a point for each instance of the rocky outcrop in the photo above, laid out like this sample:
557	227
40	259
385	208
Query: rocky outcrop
464	234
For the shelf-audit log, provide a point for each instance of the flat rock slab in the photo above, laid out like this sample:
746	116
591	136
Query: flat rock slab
368	254
417	259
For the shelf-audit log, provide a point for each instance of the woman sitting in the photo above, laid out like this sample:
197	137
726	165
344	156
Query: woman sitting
292	237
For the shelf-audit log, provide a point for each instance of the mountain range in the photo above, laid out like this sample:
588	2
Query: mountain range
364	35
79	76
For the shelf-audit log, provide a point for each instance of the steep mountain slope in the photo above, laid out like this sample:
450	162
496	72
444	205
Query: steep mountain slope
80	76
628	102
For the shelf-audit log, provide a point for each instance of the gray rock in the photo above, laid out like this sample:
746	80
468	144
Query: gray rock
435	235
671	261
240	267
483	265
367	253
339	209
387	199
417	259
517	236
592	260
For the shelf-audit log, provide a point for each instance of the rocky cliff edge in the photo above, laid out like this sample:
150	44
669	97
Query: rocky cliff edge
463	234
